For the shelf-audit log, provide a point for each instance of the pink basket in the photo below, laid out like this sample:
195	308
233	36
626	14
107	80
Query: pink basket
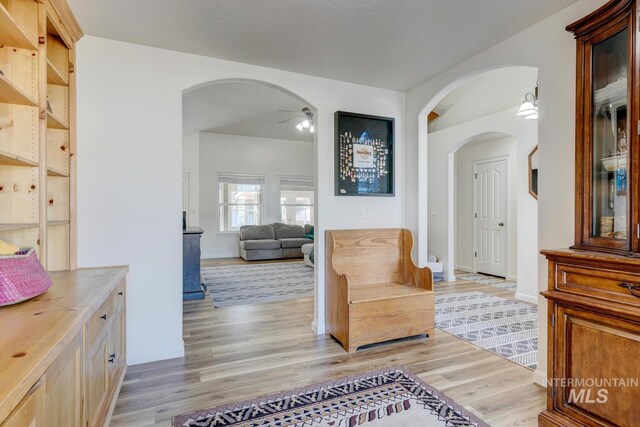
22	277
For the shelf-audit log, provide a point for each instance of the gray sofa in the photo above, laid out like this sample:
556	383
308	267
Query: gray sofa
273	241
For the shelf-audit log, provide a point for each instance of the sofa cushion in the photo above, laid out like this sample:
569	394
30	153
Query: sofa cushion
257	232
287	231
294	242
260	244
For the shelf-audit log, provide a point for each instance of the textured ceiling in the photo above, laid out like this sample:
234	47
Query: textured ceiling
241	108
393	44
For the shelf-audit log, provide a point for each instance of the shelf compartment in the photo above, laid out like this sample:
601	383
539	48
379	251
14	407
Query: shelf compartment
18	226
12	94
54	122
11	34
54	76
58	198
23	237
51	171
8	159
54	223
58	248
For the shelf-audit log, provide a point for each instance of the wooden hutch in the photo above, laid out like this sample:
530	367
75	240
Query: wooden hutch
594	287
62	353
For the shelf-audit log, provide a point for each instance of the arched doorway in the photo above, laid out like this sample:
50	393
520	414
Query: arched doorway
245	130
494	106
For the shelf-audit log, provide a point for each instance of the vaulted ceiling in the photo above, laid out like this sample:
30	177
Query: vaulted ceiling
242	108
393	44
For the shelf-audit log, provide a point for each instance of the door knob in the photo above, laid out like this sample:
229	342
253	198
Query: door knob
501	224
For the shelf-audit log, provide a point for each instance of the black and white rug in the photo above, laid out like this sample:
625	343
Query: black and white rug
505	327
485	279
392	397
258	283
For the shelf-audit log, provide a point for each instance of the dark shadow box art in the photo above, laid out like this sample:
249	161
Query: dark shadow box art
364	155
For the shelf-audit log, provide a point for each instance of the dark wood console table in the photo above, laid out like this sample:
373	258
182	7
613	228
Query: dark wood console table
191	280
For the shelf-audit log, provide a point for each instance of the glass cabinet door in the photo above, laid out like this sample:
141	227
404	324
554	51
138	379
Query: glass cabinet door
610	131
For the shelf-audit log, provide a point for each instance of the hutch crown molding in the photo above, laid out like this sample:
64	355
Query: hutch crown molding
594	287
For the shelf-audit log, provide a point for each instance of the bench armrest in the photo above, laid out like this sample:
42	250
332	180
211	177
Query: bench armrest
418	277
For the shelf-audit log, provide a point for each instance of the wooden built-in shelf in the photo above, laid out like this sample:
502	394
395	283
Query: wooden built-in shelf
9	159
53	223
54	76
12	94
54	122
51	171
21	226
11	34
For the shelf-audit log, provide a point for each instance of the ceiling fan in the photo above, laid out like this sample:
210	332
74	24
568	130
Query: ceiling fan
304	119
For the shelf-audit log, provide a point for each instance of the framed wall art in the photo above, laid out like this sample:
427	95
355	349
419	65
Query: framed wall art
364	155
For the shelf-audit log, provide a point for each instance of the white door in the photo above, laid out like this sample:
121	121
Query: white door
491	217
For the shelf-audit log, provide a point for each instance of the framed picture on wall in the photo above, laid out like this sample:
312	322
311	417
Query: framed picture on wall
364	155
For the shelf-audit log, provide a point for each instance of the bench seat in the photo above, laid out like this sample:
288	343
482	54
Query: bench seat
374	291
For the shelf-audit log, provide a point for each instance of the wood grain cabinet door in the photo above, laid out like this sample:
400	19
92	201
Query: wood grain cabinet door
31	412
64	387
595	368
116	347
97	382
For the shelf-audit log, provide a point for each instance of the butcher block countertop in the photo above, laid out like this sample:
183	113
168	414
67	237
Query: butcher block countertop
35	332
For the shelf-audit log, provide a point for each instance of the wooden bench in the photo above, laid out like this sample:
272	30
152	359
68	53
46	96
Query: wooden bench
374	291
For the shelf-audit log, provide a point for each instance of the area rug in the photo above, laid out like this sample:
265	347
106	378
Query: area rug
391	397
485	279
504	327
258	283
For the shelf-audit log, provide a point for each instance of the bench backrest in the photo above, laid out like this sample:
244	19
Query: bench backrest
369	256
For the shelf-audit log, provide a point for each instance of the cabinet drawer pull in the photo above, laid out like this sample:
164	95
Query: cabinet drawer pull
103	317
112	357
121	293
634	289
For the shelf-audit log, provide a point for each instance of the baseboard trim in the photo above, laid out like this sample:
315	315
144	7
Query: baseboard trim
450	278
314	327
512	278
526	298
540	378
164	354
465	268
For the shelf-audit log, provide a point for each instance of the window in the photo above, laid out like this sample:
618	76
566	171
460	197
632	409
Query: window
296	200
240	199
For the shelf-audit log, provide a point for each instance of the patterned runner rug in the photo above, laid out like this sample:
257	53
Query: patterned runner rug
391	397
485	279
258	283
504	327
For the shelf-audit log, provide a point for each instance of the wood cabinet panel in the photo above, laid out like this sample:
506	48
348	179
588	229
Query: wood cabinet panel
97	382
64	382
599	389
31	412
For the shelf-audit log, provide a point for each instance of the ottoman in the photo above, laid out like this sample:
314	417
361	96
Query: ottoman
308	252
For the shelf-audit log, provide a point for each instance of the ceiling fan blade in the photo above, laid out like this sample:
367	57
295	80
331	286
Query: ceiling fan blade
286	120
288	111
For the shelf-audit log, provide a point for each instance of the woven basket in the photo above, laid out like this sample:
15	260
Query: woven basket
21	277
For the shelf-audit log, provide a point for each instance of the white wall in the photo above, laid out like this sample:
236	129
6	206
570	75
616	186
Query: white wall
549	47
129	172
465	159
442	147
271	158
191	166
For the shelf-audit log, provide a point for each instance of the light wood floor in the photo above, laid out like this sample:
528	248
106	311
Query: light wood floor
237	353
